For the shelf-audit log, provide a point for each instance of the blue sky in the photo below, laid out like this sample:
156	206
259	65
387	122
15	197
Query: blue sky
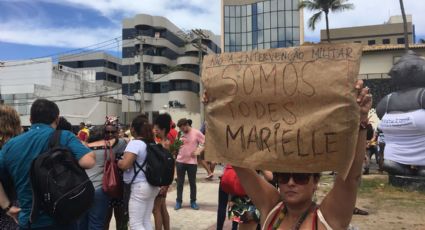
36	28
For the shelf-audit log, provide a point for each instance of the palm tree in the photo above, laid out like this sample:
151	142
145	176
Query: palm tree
324	6
406	38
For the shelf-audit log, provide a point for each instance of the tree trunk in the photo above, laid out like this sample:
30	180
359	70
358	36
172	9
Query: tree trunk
406	37
328	36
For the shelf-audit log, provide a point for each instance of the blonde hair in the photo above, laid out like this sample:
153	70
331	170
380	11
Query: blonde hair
10	124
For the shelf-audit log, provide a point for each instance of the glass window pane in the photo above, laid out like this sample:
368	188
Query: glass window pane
238	11
260	8
238	39
288	4
260	46
273	5
296	18
295	4
226	11
226	25
266	35
232	11
243	48
243	38
238	48
288	36
274	45
260	36
226	39
249	38
296	32
243	24
281	33
248	10
226	48
232	39
289	43
238	25
273	20
266	6
232	25
254	46
280	5
249	48
267	20
288	18
243	11
254	37
273	35
296	43
281	18
267	45
249	23
260	22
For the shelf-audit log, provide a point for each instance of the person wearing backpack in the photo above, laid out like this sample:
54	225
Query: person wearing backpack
142	194
18	154
162	127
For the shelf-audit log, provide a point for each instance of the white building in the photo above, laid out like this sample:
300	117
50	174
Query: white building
78	96
170	66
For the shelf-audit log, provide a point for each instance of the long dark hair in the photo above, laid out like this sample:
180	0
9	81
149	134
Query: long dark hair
142	128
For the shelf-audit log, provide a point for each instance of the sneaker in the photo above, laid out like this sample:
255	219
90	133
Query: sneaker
194	206
178	206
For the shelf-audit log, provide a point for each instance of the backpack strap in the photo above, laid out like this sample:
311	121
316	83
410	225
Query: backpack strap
55	139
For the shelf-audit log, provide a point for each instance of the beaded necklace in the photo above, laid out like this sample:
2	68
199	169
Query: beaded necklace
297	226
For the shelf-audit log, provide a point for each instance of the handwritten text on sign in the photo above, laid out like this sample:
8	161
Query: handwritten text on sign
283	109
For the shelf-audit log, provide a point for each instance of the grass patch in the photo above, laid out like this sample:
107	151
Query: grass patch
380	191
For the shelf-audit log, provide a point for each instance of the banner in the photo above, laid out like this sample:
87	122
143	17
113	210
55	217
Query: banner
284	110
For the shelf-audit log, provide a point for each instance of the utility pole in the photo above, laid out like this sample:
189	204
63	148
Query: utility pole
200	35
141	76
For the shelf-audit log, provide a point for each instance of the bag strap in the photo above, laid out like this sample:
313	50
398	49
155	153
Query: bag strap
421	101
388	102
55	139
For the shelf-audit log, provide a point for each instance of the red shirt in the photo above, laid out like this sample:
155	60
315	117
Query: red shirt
172	136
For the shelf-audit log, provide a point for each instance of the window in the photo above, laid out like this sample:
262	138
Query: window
273	20
226	11
266	6
260	8
371	42
357	41
273	5
400	40
267	20
386	41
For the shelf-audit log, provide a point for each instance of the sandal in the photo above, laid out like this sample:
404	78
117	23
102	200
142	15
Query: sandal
209	177
358	211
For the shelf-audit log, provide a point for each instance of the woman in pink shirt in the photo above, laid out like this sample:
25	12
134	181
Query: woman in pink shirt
187	161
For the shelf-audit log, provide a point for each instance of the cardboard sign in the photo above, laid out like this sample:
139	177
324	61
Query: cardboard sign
284	110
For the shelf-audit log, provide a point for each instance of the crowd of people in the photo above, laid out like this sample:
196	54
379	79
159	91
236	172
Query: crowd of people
252	199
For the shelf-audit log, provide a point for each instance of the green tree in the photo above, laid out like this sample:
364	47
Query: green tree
406	38
324	6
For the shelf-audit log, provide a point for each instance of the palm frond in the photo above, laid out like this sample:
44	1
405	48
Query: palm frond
314	19
309	4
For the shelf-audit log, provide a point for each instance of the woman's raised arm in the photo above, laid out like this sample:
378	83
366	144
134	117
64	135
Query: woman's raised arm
338	205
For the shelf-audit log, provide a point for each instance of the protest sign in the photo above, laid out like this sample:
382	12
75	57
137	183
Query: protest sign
284	110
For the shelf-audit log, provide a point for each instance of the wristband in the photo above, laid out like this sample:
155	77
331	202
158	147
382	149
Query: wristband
6	210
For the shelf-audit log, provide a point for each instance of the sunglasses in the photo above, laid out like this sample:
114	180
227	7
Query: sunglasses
298	178
110	132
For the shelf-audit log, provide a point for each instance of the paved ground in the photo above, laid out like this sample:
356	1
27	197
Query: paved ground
186	218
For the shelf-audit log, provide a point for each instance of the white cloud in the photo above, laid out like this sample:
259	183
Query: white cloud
370	13
34	33
186	14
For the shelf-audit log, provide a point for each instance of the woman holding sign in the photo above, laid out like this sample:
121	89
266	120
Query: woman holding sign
292	206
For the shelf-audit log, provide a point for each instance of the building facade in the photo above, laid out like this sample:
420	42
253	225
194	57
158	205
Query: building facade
107	67
77	94
391	32
168	59
253	24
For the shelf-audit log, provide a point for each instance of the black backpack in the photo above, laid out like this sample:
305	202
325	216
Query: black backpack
158	166
61	188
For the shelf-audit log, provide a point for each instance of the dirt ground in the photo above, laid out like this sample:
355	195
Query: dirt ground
389	207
